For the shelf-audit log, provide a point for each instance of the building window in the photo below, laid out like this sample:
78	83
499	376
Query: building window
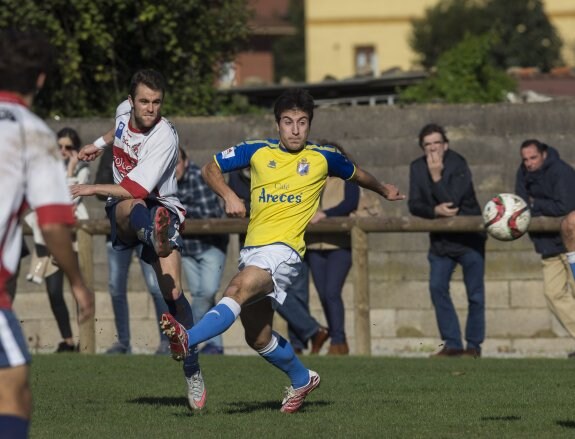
365	60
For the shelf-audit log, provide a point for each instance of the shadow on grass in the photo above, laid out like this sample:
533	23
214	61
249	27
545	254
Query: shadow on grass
566	424
501	418
160	400
232	407
255	406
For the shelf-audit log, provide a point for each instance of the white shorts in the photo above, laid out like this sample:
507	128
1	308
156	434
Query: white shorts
281	261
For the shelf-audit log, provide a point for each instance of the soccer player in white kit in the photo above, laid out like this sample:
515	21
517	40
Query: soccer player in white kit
142	205
31	175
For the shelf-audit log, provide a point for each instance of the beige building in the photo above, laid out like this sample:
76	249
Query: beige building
345	38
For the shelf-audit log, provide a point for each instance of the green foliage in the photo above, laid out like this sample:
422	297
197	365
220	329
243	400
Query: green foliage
525	36
289	51
464	74
101	44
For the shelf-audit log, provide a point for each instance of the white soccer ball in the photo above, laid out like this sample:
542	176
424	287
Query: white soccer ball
506	217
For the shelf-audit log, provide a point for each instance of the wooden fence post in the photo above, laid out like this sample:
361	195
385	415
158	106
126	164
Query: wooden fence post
359	251
85	256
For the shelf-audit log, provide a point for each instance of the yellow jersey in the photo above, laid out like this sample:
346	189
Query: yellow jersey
285	187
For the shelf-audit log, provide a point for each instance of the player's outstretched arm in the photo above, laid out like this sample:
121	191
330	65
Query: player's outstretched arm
368	181
107	190
214	178
58	238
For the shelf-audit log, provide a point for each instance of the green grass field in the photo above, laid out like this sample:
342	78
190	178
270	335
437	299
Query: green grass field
83	396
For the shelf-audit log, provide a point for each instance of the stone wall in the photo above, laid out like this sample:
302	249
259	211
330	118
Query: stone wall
384	141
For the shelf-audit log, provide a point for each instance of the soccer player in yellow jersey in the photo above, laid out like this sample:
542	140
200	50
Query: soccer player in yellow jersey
287	177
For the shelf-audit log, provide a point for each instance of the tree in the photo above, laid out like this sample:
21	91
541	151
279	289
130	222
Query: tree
100	45
526	37
464	74
289	51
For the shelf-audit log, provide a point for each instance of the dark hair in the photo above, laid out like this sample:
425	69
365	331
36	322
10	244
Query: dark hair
294	99
71	134
541	147
183	153
150	78
24	55
432	128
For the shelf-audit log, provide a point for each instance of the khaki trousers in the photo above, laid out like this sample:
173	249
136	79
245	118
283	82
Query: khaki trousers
560	290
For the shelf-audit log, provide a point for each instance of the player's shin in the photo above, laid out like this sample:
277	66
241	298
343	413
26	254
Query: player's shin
281	354
141	223
216	321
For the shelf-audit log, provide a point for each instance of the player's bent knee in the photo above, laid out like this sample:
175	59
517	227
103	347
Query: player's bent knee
15	394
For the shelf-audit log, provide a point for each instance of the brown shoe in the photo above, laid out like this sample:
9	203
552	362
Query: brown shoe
318	339
338	349
448	352
472	352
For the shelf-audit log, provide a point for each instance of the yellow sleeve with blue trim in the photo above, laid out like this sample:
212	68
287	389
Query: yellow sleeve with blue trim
285	187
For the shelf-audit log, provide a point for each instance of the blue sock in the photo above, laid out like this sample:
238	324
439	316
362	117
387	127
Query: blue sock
141	223
215	321
13	427
280	353
571	260
182	312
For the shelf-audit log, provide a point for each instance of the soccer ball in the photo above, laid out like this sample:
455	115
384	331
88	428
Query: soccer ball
506	217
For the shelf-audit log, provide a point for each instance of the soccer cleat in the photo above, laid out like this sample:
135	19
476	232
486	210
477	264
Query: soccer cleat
161	228
294	397
177	335
196	391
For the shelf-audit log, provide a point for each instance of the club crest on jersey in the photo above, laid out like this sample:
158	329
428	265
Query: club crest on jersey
229	153
303	167
272	164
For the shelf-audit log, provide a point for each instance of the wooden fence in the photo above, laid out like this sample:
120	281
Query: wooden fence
359	228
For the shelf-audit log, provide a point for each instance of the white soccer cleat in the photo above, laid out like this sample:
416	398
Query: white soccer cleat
294	398
196	391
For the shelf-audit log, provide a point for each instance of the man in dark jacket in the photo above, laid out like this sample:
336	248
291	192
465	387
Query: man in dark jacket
546	182
440	186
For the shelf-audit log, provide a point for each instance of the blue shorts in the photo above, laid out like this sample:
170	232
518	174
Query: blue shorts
13	347
148	254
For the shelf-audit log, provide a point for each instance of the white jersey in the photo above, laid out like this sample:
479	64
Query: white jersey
145	162
31	174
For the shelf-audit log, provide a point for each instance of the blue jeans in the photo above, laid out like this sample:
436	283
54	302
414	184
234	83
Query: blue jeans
473	266
118	266
329	269
204	273
295	311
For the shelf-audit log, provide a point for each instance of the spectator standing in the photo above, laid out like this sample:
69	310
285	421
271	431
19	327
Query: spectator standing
440	185
203	256
546	182
43	268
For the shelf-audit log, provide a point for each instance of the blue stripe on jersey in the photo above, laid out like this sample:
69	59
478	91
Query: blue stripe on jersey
239	156
338	165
